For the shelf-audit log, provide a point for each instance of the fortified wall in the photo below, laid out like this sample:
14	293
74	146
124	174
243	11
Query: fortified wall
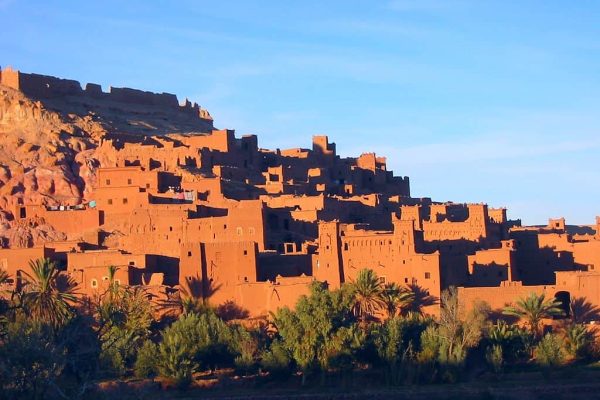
48	87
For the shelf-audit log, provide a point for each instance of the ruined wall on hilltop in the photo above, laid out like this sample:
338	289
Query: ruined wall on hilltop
48	87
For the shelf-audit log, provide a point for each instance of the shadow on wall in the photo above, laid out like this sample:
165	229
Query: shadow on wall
230	311
422	299
584	312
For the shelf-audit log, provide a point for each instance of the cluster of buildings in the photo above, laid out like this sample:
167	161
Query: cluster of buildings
255	227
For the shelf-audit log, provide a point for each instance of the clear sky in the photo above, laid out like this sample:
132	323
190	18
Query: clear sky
476	101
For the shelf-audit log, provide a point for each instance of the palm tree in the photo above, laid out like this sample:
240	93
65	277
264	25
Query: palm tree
368	295
396	298
47	297
113	286
533	309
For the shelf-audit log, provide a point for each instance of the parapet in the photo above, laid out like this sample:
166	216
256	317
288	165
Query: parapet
321	145
46	87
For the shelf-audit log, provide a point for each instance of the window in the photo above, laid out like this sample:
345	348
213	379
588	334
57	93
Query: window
405	280
129	181
108	182
245	252
382	280
131	262
147	186
239	231
170	229
189	253
117	282
345	246
94	283
109	201
125	201
427	275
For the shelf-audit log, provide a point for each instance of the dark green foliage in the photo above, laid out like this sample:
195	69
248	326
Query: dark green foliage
516	343
396	342
194	342
579	342
549	352
48	296
124	317
30	361
145	363
533	309
276	360
316	331
495	358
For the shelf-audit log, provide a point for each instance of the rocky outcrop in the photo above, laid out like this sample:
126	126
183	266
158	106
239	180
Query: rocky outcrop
50	148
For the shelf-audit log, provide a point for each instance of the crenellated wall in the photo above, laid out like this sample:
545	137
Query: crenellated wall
46	87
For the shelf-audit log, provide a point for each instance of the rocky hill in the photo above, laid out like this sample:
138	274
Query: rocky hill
50	141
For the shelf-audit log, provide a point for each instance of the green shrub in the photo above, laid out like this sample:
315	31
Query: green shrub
549	351
495	357
175	358
194	341
578	341
145	363
30	361
276	360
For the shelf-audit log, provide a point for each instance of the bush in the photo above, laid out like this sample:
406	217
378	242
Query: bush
194	341
30	361
175	358
247	346
549	352
276	360
145	363
495	358
578	342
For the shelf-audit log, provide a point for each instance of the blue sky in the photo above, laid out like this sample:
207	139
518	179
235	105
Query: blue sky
477	101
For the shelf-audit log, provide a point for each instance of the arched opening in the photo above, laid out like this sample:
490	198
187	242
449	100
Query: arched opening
564	298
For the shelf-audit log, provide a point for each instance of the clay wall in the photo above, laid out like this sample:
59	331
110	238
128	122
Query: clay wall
413	213
208	189
491	267
94	280
497	215
42	86
9	77
392	256
537	263
322	146
580	286
474	228
298	202
71	221
219	139
155	229
223	266
134	96
106	258
128	176
119	200
16	261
